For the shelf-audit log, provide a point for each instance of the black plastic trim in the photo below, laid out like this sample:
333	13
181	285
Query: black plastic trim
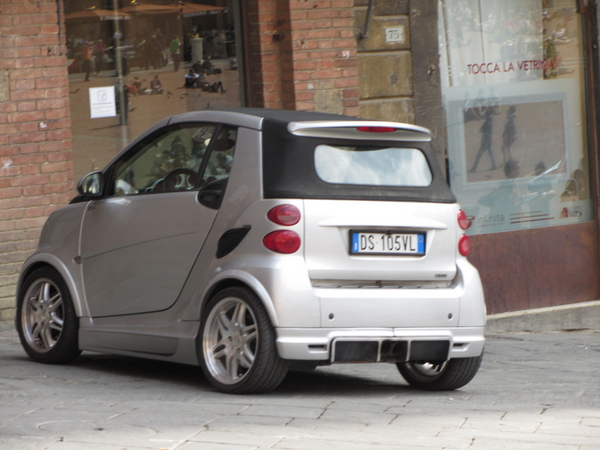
429	351
231	239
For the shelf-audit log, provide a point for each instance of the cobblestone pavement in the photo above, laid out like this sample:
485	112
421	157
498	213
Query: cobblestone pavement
534	391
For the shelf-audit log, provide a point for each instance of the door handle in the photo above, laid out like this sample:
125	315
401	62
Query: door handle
211	198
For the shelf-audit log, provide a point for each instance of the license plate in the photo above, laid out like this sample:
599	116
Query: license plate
367	243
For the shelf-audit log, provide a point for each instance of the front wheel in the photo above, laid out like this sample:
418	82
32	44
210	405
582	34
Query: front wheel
440	376
46	319
238	353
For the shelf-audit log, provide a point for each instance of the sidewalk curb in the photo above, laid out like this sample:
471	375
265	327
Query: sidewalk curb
578	316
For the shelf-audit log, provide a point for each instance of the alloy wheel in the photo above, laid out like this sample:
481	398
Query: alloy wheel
230	340
42	315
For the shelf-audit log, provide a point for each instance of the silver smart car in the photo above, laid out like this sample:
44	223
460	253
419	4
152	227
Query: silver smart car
247	241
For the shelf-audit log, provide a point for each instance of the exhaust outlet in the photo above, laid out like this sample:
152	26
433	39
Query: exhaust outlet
394	351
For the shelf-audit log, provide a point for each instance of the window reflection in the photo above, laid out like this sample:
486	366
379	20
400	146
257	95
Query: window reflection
144	51
169	163
220	160
373	167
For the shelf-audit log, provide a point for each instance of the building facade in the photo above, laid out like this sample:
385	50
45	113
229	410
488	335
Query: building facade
503	85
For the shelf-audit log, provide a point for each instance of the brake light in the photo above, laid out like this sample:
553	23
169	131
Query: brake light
377	129
286	215
282	241
464	245
464	221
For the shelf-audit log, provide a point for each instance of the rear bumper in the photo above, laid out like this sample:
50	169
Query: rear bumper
319	344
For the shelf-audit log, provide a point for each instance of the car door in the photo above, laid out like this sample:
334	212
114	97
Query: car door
139	243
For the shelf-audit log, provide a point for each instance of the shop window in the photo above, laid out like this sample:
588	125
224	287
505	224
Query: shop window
514	93
127	64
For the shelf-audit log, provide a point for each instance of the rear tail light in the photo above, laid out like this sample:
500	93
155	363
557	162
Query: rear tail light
464	245
377	129
282	241
464	221
286	215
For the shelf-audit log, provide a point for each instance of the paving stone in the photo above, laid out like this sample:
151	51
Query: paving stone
570	430
282	411
303	444
273	399
237	438
214	446
176	411
255	424
50	422
521	437
66	445
504	424
430	422
561	413
590	422
376	408
353	415
329	425
451	413
87	445
25	442
9	411
418	437
510	444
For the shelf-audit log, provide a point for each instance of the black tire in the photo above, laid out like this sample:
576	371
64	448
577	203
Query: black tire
446	376
237	344
46	321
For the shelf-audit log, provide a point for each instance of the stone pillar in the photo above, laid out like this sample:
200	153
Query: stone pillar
385	61
197	51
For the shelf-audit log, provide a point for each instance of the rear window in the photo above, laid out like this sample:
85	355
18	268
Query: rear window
383	166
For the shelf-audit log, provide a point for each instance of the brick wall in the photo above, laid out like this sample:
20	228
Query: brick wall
36	161
303	55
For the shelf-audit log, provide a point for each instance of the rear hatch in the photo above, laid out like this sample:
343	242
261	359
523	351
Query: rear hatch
377	211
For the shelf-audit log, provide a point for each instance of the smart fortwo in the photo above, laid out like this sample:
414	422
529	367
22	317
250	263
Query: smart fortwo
247	241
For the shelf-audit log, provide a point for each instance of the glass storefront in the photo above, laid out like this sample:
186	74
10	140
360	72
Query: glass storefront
132	64
513	82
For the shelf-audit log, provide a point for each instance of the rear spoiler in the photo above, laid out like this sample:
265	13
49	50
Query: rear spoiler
361	130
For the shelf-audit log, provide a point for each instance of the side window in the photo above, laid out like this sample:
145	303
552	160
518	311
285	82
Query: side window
170	162
220	159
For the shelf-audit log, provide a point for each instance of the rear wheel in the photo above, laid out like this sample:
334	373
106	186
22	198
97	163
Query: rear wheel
46	319
440	376
238	344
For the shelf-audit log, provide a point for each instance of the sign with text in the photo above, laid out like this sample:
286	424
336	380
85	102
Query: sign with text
102	102
508	66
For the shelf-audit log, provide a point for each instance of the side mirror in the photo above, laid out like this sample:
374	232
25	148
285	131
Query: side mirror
91	185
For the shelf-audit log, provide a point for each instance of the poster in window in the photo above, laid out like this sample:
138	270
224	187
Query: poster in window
513	87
